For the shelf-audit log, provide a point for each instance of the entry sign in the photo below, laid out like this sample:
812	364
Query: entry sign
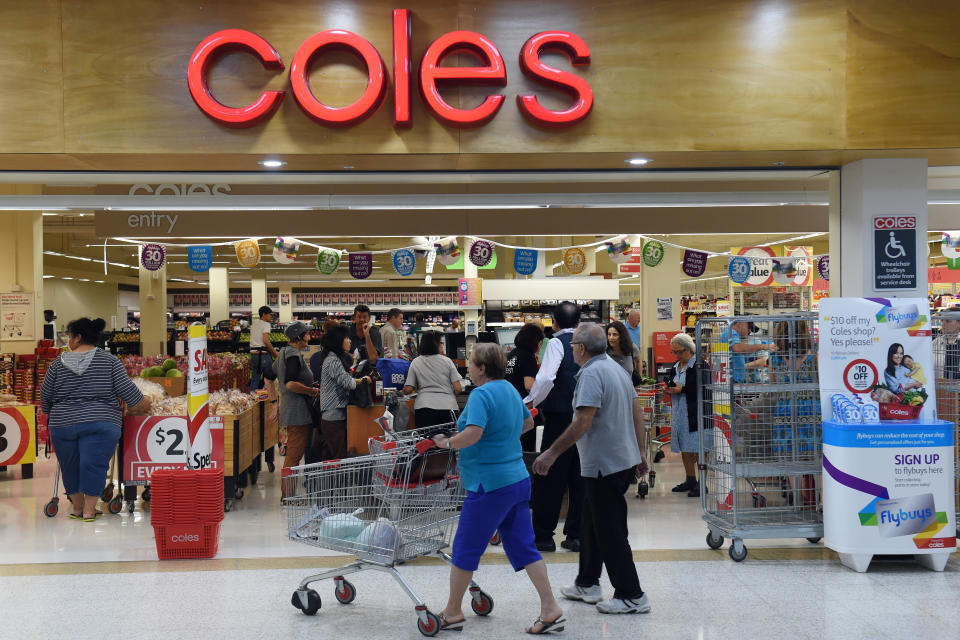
894	253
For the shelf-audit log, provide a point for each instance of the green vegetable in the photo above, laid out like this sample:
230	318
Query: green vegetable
169	364
152	372
174	373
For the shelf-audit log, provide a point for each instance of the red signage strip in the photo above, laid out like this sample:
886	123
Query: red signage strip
534	68
432	73
401	69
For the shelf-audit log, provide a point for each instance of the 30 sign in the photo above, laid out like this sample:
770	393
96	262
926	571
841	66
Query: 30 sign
432	74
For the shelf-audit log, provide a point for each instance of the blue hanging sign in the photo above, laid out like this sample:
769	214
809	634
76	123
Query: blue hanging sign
739	269
200	258
404	262
525	261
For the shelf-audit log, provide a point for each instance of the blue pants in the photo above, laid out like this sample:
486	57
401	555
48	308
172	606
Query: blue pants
506	509
84	451
259	362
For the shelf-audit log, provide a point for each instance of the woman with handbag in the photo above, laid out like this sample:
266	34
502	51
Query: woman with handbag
684	429
437	382
336	383
296	394
620	347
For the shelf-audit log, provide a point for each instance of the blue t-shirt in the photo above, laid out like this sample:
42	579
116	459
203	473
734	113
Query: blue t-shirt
635	334
738	361
496	460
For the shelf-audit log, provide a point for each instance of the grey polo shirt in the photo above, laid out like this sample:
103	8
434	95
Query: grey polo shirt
610	444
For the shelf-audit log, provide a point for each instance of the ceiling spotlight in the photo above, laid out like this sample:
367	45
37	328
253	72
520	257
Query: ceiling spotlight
272	164
638	162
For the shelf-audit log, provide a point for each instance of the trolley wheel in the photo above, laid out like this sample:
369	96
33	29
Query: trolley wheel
115	505
659	455
145	496
238	493
495	540
431	626
131	505
345	593
737	551
313	602
642	489
813	540
107	494
51	508
714	541
652	478
481	603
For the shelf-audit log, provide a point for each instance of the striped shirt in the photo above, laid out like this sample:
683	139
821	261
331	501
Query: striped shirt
335	387
69	399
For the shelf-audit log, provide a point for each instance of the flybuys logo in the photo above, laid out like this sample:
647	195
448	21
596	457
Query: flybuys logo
905	516
899	317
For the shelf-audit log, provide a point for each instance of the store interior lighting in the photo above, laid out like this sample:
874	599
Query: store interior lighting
638	162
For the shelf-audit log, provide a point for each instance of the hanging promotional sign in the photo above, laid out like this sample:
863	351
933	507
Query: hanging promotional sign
448	250
198	406
481	252
759	270
823	267
361	265
950	248
152	256
404	262
525	261
652	253
248	253
574	260
328	261
694	263
285	250
200	259
18	435
618	250
738	270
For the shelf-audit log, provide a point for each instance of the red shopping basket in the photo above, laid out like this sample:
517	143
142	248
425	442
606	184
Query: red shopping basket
186	510
182	542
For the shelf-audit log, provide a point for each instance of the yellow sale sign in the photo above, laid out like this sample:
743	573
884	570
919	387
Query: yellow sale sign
248	253
574	260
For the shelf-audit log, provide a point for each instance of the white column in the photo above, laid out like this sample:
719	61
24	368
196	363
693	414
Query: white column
661	281
286	310
469	271
219	285
258	297
872	188
153	311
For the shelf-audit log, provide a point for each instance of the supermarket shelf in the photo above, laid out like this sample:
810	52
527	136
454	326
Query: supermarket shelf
382	307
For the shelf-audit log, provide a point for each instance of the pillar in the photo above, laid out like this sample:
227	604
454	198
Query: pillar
21	270
153	311
285	313
871	188
470	271
219	286
258	291
541	270
661	281
835	250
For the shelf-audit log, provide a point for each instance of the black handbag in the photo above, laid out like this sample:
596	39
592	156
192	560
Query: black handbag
361	396
636	378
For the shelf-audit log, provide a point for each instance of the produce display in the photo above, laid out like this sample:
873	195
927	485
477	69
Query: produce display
129	336
168	369
222	403
225	370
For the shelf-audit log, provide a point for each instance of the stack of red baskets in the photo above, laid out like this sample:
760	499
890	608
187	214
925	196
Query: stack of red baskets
186	509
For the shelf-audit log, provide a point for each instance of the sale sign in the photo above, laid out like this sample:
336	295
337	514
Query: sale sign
163	442
18	435
328	261
152	256
198	406
481	253
248	253
574	260
404	262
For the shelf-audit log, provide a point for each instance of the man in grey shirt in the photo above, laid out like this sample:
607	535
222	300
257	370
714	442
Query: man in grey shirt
608	429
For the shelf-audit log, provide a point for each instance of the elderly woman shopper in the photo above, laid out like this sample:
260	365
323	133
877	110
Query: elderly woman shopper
80	396
498	488
437	382
684	428
336	383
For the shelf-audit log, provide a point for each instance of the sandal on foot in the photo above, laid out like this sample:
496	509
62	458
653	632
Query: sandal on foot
450	625
76	516
547	627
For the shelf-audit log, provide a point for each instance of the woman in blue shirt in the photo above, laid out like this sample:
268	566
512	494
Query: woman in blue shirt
498	488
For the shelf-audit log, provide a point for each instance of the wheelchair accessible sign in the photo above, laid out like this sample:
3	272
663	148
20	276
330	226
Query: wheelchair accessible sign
894	253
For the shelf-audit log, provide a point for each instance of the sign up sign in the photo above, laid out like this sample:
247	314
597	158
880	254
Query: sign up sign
894	253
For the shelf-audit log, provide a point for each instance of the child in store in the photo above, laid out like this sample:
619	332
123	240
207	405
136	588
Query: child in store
916	371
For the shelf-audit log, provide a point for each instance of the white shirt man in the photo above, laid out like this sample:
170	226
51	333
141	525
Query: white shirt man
392	334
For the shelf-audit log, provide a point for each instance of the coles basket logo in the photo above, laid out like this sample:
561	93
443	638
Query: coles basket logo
895	222
430	76
186	537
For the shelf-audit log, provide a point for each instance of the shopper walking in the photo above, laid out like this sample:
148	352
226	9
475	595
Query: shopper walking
296	394
552	392
336	384
522	368
608	429
80	396
392	336
436	381
633	326
498	489
622	349
684	426
262	351
366	341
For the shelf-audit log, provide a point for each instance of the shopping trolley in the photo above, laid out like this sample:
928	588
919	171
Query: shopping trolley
662	422
648	401
400	502
946	360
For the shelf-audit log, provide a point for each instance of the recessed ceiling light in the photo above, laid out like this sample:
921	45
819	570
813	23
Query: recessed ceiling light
638	162
272	164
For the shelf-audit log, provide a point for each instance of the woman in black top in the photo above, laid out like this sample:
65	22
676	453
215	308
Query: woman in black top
521	372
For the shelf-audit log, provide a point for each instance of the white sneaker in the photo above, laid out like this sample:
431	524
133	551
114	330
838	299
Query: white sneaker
590	595
625	605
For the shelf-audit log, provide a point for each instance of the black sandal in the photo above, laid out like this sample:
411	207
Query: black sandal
446	625
547	627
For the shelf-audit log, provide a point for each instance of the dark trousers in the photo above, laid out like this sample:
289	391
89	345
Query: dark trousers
334	439
426	417
548	490
604	540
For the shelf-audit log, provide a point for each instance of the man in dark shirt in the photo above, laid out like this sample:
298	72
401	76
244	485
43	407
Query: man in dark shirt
364	337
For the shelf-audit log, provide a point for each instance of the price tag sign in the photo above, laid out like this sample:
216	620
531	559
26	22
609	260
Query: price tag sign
404	262
163	442
574	260
152	256
328	261
481	252
248	253
652	253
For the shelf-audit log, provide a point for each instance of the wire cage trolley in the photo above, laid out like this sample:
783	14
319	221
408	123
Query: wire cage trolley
648	403
946	362
760	435
400	502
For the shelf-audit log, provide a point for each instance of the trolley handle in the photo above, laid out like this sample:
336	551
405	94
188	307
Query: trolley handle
425	445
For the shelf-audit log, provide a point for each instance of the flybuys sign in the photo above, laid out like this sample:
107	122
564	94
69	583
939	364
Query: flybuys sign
905	516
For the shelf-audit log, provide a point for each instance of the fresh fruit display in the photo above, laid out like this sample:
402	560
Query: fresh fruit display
173	373
152	372
130	336
169	364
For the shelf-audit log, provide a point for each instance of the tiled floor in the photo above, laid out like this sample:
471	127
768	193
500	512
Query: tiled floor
67	579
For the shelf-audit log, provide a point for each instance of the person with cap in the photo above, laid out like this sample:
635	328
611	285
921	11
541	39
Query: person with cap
296	395
262	352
